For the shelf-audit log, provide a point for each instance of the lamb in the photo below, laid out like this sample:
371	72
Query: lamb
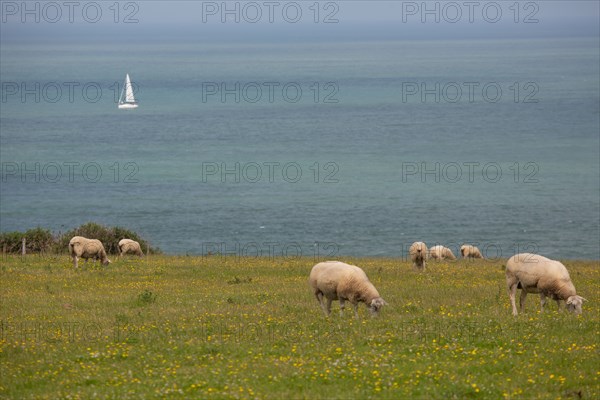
440	252
418	255
533	273
80	247
129	246
336	280
470	251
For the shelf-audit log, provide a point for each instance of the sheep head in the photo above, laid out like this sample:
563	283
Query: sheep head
106	261
574	304
376	305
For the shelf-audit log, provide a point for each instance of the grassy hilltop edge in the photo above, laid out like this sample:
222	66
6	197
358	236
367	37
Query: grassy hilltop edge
231	327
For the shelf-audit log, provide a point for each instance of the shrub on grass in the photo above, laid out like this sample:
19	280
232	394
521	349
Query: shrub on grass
37	240
40	240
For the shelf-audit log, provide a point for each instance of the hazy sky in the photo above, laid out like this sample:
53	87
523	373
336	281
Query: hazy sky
295	20
365	11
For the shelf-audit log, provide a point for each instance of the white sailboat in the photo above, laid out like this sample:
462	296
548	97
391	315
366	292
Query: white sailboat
126	100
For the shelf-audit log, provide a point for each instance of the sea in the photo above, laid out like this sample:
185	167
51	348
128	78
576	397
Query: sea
321	149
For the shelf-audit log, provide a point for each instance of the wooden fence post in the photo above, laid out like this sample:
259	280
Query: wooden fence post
23	251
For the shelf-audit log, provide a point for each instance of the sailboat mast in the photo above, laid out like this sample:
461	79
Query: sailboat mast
121	98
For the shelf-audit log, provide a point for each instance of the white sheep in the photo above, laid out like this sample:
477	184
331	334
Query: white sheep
533	273
336	280
418	255
80	247
470	251
130	246
440	252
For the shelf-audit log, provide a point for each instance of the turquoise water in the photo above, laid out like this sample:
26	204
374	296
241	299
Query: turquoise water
358	165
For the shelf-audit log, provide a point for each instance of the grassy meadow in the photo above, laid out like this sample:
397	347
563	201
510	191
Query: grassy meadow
230	327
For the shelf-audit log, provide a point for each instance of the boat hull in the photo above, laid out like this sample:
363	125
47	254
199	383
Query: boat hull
127	106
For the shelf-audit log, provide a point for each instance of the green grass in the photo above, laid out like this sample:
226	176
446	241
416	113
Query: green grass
224	327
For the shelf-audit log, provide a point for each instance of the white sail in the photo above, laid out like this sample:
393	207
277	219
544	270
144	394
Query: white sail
128	90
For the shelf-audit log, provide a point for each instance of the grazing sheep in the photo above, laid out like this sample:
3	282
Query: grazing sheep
440	252
470	251
80	247
418	255
129	246
336	280
533	273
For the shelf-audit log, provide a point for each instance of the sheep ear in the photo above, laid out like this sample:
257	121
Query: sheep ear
583	299
569	301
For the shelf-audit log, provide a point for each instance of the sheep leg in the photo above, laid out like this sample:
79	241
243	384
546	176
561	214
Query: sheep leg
522	300
355	309
328	309
342	306
542	301
75	264
319	296
512	293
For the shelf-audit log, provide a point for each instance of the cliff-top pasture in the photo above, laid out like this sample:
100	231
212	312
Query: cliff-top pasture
230	327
